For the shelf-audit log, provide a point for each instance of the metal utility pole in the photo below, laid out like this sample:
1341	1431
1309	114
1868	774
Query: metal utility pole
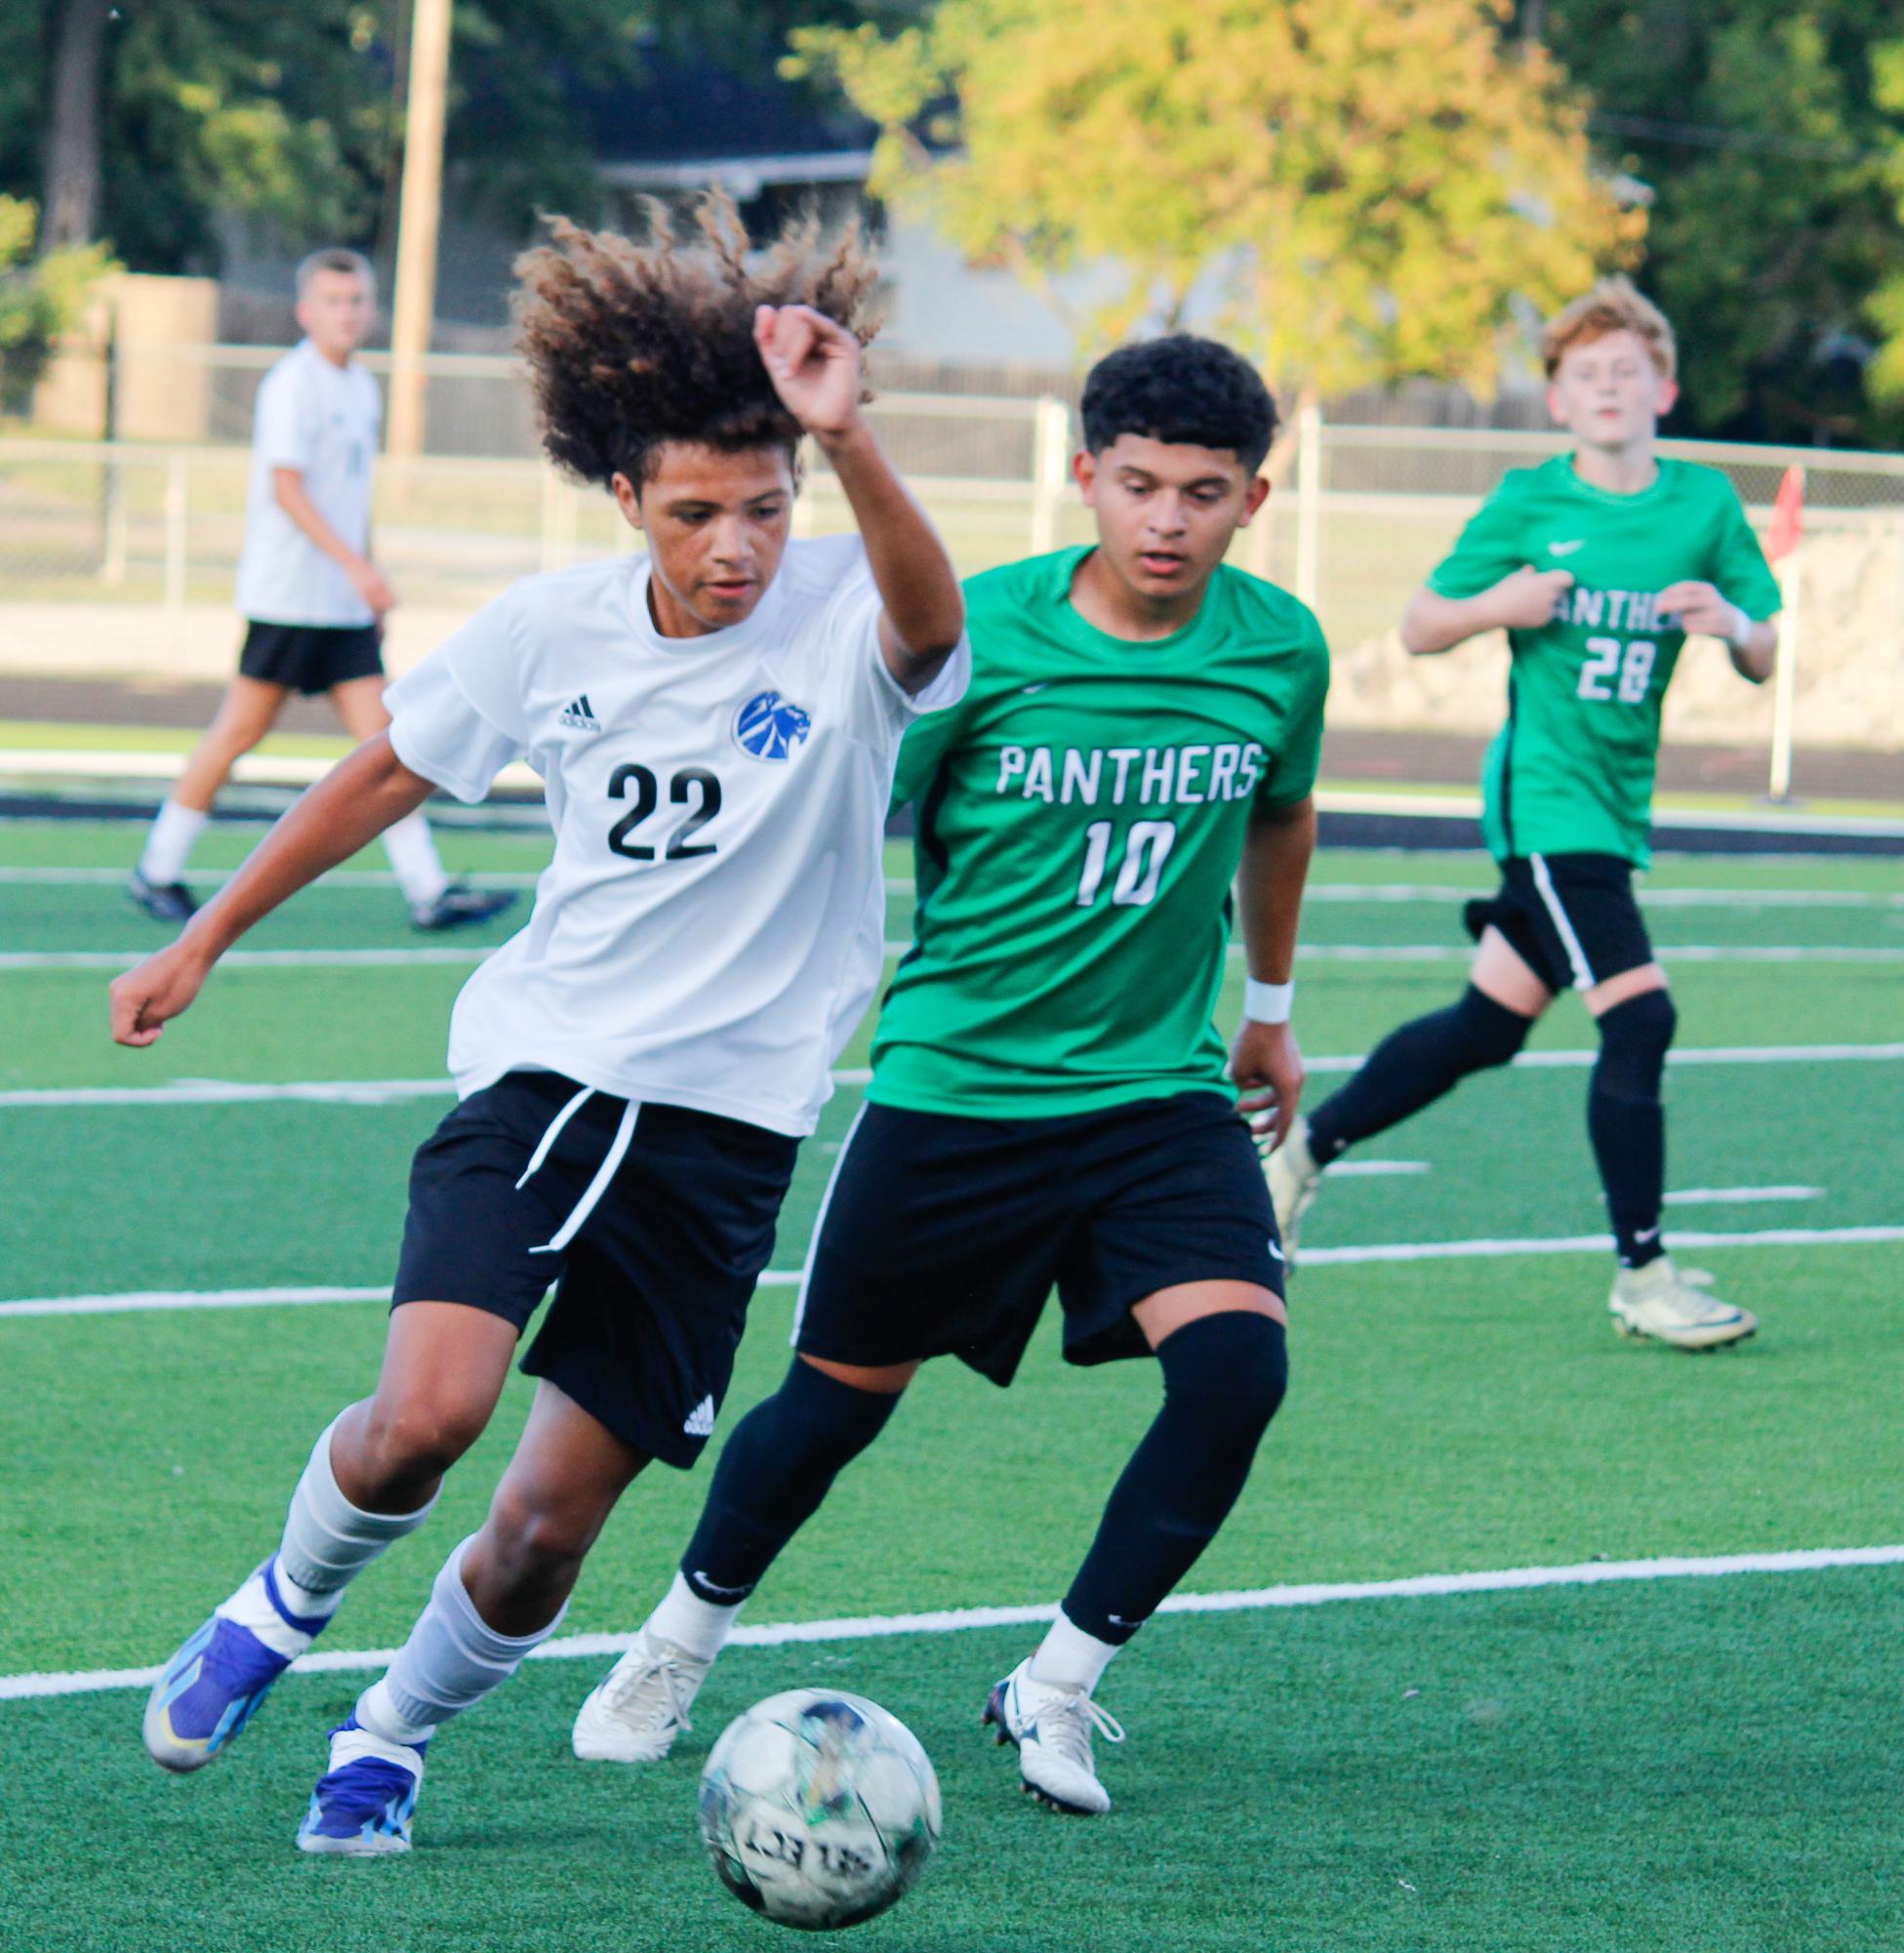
415	301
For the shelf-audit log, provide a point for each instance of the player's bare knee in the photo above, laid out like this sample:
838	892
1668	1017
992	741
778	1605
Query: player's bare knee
419	1437
539	1543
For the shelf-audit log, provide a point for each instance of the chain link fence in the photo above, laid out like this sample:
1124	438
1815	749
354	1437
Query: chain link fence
137	539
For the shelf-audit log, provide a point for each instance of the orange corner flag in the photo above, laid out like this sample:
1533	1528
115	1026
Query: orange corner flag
1788	516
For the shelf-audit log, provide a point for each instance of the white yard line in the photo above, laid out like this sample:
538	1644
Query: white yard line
1649	898
260	769
1669	953
1740	1196
1321	953
1353	892
138	1302
241	960
1722	1054
338	877
395	1091
1602	1244
1374	1169
216	1092
1692	1054
958	1620
135	1302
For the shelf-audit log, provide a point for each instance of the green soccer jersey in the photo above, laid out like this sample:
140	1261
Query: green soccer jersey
1080	815
1572	770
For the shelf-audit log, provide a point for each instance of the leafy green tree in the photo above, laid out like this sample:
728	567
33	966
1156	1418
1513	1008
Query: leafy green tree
1359	192
220	108
39	298
1771	137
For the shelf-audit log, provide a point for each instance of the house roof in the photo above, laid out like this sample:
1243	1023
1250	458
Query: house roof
689	120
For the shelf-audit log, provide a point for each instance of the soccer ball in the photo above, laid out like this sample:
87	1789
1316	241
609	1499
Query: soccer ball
818	1809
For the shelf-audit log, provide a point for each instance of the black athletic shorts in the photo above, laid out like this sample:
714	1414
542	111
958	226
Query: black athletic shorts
311	658
1572	918
942	1236
651	1292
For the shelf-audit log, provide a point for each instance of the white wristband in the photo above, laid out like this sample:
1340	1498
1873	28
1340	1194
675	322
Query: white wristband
1267	1002
1740	635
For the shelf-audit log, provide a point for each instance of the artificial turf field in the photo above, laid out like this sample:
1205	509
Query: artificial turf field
1661	1761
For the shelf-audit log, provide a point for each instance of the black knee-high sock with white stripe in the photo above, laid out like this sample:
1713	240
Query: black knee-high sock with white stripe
1627	1122
1224	1376
775	1470
1413	1066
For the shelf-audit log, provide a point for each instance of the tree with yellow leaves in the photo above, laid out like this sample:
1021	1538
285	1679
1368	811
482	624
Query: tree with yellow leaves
1353	191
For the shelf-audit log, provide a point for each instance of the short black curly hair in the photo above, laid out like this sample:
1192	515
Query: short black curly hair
632	345
1180	388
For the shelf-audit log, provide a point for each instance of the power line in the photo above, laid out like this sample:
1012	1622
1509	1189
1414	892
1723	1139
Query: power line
1702	135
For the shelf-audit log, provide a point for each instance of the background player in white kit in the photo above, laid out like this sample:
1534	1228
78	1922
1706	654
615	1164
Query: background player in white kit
312	599
718	723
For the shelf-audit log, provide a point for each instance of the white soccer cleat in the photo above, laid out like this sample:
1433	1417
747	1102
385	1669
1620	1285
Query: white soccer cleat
1677	1305
637	1709
1294	1180
1052	1728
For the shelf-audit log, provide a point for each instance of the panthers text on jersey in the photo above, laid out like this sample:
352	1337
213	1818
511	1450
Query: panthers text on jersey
1080	818
1571	772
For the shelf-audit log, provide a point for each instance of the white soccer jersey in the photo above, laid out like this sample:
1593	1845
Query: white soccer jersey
710	927
322	420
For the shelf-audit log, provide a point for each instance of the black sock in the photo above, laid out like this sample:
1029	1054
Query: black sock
1414	1065
1222	1378
774	1471
1627	1122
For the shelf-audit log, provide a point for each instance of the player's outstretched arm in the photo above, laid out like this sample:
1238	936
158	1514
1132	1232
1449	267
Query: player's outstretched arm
1523	600
348	808
814	364
1705	608
1264	1061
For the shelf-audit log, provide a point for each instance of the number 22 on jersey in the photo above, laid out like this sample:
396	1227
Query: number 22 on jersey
691	781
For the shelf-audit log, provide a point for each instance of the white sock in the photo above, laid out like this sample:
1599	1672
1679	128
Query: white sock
253	1606
168	847
327	1541
451	1661
420	871
1069	1659
695	1626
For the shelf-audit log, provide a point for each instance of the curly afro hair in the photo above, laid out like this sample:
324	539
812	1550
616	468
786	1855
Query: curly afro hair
632	345
1181	389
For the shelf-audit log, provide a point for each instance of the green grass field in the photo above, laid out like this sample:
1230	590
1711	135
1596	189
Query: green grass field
1657	1763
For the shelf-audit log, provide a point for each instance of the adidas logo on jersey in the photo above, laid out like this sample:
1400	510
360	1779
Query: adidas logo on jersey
701	1419
580	716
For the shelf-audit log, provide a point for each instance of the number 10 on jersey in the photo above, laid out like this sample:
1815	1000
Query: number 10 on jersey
1147	848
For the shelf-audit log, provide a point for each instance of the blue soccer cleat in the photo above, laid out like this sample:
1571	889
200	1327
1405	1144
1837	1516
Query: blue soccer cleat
364	1801
212	1687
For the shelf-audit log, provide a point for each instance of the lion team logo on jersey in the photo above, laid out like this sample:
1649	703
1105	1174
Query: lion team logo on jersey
769	726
